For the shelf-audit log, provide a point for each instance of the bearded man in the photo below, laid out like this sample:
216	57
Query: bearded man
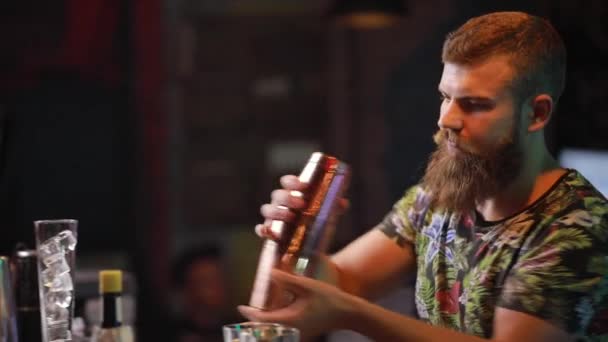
506	244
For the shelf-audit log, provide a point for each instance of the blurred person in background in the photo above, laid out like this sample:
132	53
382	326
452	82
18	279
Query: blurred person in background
203	302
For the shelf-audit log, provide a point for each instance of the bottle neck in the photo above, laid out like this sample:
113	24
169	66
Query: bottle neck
111	310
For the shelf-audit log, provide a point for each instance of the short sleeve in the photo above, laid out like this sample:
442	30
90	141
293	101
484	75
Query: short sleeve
401	223
562	276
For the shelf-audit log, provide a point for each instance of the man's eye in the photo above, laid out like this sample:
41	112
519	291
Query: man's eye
475	106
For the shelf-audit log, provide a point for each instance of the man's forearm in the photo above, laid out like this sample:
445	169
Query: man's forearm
383	325
373	265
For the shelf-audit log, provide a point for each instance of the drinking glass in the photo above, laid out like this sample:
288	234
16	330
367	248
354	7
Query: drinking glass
260	332
56	248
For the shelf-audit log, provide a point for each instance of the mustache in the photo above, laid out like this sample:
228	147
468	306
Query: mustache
443	136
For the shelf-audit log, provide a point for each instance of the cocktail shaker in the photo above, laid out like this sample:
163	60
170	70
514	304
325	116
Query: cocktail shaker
299	243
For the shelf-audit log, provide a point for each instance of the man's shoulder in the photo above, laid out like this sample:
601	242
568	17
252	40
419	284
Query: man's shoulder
576	203
416	207
576	192
415	198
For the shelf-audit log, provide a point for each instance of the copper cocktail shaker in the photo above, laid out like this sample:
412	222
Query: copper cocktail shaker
310	234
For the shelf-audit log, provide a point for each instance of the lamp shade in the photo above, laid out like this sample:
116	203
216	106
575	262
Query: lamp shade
367	14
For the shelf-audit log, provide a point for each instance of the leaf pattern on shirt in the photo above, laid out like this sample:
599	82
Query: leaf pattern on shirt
550	260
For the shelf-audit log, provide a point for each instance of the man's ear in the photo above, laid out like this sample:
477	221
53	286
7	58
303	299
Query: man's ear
542	108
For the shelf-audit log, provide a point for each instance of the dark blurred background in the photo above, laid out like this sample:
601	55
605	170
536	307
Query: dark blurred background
161	125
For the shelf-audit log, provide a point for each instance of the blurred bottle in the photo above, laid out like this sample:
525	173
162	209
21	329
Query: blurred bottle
8	317
310	234
112	328
27	299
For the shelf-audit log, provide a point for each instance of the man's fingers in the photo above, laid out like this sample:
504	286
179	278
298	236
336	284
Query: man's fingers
273	212
268	230
281	315
291	199
259	230
257	315
291	182
298	285
263	231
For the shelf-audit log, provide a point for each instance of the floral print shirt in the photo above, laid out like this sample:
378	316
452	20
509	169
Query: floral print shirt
550	260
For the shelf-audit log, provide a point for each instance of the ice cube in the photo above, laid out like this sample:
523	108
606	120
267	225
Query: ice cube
52	258
59	332
59	298
59	266
61	283
50	250
66	240
56	315
47	277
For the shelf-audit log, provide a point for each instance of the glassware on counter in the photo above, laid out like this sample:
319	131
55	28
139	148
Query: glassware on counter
56	248
260	332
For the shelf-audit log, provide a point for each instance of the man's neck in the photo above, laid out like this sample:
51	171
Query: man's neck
534	180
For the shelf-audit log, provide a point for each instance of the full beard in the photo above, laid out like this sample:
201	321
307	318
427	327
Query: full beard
457	181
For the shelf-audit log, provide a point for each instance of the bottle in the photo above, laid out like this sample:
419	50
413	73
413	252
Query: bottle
309	235
8	316
112	327
25	263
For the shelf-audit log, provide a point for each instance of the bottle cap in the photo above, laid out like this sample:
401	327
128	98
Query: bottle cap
110	281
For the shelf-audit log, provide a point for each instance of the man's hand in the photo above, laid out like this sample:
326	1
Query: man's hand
284	204
317	307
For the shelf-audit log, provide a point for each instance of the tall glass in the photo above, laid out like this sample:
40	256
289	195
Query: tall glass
56	248
260	332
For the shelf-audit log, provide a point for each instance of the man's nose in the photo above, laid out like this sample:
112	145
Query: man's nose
450	118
